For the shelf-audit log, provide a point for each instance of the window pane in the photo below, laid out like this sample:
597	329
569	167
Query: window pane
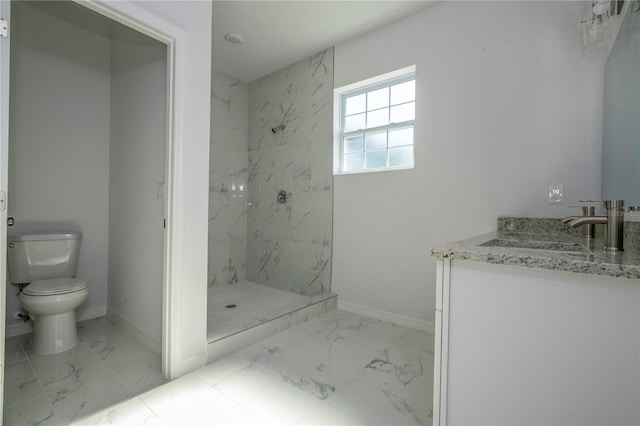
404	112
353	144
403	92
378	99
353	162
354	122
376	159
402	156
401	137
355	104
377	126
376	140
378	118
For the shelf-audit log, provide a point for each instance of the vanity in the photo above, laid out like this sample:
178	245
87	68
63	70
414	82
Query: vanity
537	325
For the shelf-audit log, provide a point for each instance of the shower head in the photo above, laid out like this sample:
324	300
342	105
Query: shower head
277	129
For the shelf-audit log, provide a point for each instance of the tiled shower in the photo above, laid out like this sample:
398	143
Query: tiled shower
273	134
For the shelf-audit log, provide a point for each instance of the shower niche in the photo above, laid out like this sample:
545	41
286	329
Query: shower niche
269	253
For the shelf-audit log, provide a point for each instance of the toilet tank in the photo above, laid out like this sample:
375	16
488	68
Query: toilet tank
42	256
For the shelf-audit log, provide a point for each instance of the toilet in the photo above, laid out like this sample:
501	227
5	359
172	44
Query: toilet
46	263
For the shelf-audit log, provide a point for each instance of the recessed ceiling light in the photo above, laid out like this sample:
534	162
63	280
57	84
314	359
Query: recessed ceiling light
234	39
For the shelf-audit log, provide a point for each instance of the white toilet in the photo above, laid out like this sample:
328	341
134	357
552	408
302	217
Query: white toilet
47	263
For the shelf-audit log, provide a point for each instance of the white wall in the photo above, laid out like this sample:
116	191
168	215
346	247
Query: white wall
507	103
59	134
137	165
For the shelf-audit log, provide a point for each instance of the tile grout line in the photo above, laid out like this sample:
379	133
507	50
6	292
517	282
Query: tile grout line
46	395
111	370
26	355
87	345
134	394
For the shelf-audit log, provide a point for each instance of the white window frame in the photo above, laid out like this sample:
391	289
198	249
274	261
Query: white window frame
371	84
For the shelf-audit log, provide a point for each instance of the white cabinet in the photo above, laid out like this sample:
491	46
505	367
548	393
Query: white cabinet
517	345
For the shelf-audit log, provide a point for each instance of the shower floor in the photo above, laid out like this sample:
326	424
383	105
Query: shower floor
253	304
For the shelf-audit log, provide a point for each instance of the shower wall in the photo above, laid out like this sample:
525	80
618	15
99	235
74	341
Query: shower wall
251	236
289	245
228	180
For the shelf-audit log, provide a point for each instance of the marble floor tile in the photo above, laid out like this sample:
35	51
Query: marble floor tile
143	375
268	396
21	384
78	382
189	400
340	326
121	350
25	341
316	365
405	368
327	415
336	369
131	412
88	397
64	369
97	328
222	368
13	351
36	412
375	406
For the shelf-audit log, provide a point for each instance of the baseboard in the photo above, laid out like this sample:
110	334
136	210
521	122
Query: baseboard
18	329
136	332
391	317
91	313
26	327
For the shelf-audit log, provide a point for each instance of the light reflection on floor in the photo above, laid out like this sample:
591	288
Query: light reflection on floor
336	369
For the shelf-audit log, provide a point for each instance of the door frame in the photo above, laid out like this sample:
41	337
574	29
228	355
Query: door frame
183	342
5	12
146	23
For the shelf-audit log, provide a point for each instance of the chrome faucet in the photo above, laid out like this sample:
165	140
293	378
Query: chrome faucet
587	211
614	219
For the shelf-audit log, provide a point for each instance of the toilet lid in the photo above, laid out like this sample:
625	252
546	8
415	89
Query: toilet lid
54	286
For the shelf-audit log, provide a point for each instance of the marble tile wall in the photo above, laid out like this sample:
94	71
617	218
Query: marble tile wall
289	245
228	193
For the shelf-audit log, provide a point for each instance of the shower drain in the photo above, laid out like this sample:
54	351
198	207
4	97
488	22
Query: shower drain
231	306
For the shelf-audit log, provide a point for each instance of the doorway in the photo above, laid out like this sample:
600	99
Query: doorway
86	153
87	144
186	31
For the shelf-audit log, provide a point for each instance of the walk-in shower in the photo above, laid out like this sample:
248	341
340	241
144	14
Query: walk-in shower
270	199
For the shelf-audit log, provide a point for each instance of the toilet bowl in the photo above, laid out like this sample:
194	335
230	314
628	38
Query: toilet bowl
52	307
47	262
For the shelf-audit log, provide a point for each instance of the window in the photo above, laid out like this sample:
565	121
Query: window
376	124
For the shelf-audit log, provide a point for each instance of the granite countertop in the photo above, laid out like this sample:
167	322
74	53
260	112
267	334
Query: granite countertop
548	244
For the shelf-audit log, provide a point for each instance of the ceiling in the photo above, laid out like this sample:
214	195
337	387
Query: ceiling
280	33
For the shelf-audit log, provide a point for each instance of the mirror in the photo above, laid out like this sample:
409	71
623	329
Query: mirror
621	150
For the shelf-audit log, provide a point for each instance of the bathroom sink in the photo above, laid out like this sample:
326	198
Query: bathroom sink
538	245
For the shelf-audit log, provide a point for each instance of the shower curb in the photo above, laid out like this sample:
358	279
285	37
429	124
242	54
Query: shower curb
224	346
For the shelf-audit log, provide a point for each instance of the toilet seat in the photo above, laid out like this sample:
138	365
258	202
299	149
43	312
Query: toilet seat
54	287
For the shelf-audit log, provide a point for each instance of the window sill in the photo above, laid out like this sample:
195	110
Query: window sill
358	172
